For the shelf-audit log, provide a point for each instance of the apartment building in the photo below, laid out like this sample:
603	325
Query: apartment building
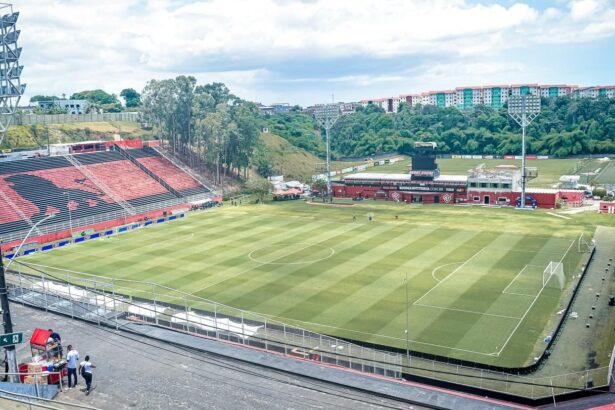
490	95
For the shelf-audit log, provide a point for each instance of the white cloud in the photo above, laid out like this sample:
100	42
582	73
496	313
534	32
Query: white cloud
71	45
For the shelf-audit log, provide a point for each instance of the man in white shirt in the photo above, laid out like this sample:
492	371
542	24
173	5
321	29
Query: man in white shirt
72	358
85	368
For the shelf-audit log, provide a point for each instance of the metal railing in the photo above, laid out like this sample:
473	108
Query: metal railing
39	379
116	302
35	402
102	217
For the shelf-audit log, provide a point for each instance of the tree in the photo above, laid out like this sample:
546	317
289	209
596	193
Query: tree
320	186
37	98
260	187
131	97
96	97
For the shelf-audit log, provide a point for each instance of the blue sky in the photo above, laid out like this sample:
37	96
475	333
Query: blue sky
301	52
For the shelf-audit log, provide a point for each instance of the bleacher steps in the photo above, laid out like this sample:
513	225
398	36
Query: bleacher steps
103	187
142	167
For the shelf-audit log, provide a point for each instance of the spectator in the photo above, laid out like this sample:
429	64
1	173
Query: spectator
72	357
85	369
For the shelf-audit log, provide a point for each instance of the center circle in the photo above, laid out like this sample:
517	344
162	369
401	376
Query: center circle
291	253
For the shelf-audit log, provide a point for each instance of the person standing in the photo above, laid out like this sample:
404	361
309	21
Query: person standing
85	368
6	366
72	357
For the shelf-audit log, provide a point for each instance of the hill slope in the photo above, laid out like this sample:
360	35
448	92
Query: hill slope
32	136
289	160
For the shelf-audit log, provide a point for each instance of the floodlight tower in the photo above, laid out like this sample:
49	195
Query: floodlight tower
326	115
11	88
523	109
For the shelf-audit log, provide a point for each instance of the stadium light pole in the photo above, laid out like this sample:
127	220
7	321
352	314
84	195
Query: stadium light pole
523	109
326	115
11	88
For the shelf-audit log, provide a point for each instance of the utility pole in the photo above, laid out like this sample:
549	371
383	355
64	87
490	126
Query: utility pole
8	324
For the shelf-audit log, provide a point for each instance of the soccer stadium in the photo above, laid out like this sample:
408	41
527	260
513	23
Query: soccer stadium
448	249
442	282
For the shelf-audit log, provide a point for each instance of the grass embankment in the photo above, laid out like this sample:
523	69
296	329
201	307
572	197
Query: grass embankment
32	136
294	162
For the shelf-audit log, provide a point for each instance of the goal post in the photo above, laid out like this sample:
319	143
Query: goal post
584	246
553	275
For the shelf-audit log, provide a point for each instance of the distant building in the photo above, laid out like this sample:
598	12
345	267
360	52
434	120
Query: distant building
494	96
607	91
72	106
281	108
524	89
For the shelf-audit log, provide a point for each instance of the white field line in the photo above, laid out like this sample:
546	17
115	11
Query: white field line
514	279
558	215
289	320
449	275
530	307
468	311
433	272
519	294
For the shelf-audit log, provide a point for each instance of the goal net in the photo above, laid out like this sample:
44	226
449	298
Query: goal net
553	275
584	246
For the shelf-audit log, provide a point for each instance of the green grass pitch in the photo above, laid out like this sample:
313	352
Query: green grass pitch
475	276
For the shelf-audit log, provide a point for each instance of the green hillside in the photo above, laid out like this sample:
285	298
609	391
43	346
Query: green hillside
32	136
289	160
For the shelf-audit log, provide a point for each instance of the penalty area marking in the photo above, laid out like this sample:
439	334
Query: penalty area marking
449	275
307	245
437	268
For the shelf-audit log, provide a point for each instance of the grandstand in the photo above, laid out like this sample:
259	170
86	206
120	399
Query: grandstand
91	188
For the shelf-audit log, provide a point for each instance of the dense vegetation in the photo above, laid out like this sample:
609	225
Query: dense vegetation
299	130
564	127
205	121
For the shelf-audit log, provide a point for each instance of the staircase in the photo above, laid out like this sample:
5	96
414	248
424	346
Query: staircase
18	210
101	185
183	167
155	177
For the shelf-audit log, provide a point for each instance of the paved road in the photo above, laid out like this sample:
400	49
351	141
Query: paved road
133	375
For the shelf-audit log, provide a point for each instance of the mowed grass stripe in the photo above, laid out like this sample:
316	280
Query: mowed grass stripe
384	293
236	261
394	305
303	289
93	256
271	281
460	292
372	281
206	258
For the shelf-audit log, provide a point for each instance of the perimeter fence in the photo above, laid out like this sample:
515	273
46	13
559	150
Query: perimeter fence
115	302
